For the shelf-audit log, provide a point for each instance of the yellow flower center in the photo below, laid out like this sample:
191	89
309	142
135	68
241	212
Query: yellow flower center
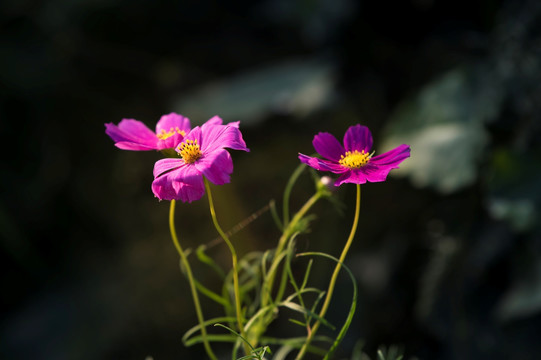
189	150
355	159
162	135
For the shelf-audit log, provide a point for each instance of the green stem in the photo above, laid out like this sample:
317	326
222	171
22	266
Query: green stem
235	267
288	231
291	227
287	192
191	280
332	283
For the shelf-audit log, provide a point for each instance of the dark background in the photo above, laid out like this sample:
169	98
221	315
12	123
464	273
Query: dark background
447	255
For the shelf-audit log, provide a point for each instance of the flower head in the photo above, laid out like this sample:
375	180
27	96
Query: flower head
353	161
132	134
201	153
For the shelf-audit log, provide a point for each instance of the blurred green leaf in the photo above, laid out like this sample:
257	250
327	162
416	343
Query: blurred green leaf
444	125
524	297
293	87
513	183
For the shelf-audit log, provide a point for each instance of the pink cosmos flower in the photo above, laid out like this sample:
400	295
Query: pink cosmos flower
353	160
132	134
202	153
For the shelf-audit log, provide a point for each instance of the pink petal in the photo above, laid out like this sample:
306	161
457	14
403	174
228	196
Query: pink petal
131	134
352	176
358	138
374	173
194	135
165	165
136	129
378	167
168	122
184	183
321	164
214	137
215	120
216	166
328	146
392	158
127	145
162	188
369	172
173	120
235	124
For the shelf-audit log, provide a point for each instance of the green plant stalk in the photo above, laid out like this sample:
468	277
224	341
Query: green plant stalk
287	192
334	276
288	232
352	308
191	280
287	229
235	266
266	296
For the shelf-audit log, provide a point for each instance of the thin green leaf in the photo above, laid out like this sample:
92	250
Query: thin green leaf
264	259
212	321
275	216
295	341
296	307
237	335
305	291
307	274
256	356
287	192
298	292
274	267
297	322
210	294
287	345
207	260
352	308
270	309
316	303
283	280
211	338
259	353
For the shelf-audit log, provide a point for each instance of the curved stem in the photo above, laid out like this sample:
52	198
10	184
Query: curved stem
235	267
288	231
189	273
287	192
332	283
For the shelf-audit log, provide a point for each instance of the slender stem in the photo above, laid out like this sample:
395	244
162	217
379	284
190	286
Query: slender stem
235	267
287	192
332	283
288	231
189	273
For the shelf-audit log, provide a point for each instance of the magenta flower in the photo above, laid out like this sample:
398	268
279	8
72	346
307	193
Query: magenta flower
202	153
132	134
353	160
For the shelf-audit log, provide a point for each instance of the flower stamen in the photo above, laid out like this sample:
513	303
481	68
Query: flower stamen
162	135
354	159
189	150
